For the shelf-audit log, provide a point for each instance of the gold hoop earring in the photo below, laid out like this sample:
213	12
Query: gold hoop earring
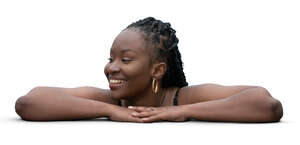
154	85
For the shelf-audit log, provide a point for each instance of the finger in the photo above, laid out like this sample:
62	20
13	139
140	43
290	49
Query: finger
138	108
151	119
131	107
143	114
150	109
135	114
136	119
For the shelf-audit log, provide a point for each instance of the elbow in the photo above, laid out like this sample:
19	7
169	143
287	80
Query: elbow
26	106
273	110
22	107
276	111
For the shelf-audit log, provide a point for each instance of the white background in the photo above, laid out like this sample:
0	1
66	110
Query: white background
66	44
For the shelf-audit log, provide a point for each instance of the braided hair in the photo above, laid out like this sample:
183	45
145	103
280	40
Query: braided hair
162	37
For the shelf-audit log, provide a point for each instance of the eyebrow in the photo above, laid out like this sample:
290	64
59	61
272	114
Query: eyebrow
127	49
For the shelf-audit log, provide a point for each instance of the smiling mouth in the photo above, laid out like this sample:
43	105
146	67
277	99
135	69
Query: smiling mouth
116	84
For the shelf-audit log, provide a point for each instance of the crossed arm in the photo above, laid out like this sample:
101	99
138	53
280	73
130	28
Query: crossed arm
254	104
251	105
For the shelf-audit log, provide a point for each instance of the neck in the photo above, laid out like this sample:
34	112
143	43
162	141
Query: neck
148	98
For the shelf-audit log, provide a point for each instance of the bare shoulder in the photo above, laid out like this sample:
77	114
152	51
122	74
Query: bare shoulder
208	92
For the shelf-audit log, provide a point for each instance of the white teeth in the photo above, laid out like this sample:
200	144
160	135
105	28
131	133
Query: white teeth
116	81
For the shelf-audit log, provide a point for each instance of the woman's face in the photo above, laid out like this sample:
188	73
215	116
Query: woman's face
128	69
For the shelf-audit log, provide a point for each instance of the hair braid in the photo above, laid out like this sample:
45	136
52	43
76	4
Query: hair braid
164	40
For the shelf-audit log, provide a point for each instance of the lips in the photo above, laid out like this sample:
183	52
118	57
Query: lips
115	84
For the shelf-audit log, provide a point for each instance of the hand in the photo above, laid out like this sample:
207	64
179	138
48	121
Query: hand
123	114
152	114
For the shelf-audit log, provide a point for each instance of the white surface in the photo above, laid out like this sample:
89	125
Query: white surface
104	132
66	44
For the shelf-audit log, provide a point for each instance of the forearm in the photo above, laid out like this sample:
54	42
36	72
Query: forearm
251	105
59	106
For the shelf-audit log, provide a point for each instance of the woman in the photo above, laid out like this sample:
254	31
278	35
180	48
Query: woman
147	84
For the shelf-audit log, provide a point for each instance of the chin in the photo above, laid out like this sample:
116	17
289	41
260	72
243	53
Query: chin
117	95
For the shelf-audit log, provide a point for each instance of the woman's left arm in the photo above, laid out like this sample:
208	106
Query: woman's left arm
251	105
254	104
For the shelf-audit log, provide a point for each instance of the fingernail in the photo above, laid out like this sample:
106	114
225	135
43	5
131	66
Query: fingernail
150	109
130	107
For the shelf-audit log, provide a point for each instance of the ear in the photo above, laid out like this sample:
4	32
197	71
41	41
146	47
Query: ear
158	70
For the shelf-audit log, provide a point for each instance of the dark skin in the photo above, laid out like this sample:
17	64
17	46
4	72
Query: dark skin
130	72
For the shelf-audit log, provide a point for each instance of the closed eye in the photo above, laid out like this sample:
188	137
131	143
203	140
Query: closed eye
126	60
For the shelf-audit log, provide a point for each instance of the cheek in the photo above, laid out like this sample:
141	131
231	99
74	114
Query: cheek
136	71
138	77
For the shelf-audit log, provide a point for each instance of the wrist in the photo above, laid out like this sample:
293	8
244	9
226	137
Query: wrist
185	111
108	110
105	109
111	110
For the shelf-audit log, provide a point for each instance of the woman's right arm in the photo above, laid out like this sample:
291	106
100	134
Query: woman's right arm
52	103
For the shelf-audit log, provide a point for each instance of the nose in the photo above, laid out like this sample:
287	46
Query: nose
113	67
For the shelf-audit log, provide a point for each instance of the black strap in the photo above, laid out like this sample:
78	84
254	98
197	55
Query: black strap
175	99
